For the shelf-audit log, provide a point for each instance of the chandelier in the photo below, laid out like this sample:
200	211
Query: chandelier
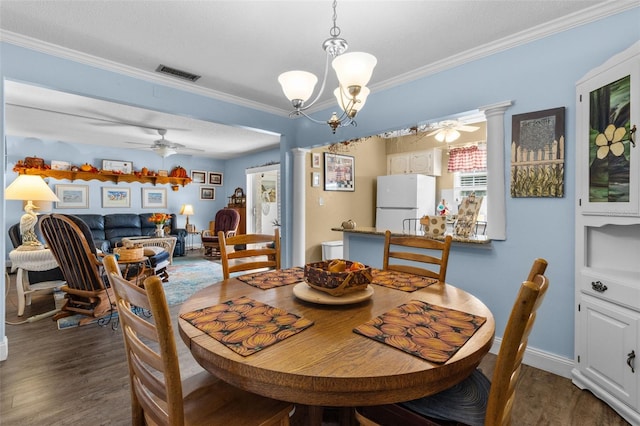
353	70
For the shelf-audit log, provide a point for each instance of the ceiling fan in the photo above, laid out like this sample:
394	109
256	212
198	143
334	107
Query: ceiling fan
449	130
164	147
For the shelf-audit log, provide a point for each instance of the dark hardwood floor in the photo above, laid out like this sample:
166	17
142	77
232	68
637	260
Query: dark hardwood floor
79	376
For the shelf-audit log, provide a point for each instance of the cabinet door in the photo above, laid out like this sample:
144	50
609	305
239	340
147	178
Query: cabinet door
607	340
397	164
608	160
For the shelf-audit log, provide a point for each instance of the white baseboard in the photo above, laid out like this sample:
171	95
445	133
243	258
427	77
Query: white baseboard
543	360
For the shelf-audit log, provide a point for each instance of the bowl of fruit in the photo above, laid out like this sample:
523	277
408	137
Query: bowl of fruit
337	277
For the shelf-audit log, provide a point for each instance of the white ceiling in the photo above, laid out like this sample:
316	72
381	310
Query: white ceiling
240	47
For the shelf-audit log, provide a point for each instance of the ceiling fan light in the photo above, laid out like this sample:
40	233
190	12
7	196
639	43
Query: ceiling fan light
447	135
354	69
165	151
297	84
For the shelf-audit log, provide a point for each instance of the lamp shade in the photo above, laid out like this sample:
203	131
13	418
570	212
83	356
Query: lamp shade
355	68
343	98
29	187
297	84
187	209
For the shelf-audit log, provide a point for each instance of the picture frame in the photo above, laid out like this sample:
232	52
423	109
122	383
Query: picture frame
60	165
198	176
154	198
113	197
315	179
207	193
315	160
339	172
72	196
537	154
124	167
163	173
215	178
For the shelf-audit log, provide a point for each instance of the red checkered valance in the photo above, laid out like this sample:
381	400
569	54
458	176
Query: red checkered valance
468	159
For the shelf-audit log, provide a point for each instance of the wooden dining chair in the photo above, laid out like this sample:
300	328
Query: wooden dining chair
476	400
408	261
262	251
158	395
71	242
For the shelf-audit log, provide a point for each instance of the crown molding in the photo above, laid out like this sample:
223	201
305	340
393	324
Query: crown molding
594	13
105	64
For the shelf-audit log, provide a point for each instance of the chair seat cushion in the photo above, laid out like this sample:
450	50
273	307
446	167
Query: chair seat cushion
209	239
465	402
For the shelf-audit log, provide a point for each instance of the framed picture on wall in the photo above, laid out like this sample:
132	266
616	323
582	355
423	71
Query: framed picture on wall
315	160
215	178
198	176
116	197
207	193
72	196
339	172
154	198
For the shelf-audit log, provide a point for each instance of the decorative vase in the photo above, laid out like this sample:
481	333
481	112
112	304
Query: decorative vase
159	230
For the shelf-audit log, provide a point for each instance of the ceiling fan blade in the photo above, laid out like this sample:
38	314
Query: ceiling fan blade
138	143
466	128
434	132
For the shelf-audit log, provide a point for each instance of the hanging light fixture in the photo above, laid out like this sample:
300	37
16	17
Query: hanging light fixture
353	70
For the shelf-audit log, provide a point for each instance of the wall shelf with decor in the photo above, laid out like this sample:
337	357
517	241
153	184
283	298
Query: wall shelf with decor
105	177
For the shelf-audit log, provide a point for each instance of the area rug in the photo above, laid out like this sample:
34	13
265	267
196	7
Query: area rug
186	276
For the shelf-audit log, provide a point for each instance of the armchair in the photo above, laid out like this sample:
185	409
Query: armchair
226	221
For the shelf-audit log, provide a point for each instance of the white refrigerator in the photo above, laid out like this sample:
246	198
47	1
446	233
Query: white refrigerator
402	197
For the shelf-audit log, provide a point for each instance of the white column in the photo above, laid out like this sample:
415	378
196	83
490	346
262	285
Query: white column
298	227
496	208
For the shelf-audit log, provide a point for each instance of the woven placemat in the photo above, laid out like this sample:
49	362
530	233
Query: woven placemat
431	332
400	280
275	278
246	326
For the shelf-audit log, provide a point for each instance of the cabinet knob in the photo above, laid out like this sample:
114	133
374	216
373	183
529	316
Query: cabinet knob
598	286
631	356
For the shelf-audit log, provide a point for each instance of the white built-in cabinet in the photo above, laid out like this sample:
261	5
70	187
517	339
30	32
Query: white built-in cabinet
427	162
607	237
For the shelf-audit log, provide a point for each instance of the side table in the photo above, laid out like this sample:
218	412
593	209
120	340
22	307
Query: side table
31	260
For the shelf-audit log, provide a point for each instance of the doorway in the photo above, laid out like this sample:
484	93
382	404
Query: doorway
263	199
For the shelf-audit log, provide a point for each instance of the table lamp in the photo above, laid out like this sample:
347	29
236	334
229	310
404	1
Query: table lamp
29	188
187	210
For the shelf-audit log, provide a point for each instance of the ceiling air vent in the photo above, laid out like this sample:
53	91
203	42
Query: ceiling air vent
177	73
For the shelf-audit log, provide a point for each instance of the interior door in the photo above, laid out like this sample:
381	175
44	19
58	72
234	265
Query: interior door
263	200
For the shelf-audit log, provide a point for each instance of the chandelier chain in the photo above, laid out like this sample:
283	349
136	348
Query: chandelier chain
335	30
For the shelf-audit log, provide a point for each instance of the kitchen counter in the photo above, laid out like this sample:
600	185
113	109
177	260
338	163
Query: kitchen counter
475	239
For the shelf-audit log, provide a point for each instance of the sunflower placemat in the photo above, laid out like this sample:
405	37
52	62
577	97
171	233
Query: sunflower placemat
275	278
427	331
400	280
246	326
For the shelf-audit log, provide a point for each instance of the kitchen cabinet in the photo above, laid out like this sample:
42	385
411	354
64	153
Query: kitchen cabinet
607	234
428	162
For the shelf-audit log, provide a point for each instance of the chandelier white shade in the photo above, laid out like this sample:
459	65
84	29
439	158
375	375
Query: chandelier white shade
165	151
344	99
297	84
354	69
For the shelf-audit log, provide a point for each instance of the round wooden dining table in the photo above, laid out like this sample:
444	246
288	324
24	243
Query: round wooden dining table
328	364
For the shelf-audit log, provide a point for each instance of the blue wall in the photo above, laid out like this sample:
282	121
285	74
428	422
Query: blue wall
536	76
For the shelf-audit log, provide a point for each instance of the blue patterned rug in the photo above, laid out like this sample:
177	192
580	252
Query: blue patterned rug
186	276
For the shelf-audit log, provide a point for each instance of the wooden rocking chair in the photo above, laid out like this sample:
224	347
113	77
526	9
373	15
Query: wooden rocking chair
70	241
